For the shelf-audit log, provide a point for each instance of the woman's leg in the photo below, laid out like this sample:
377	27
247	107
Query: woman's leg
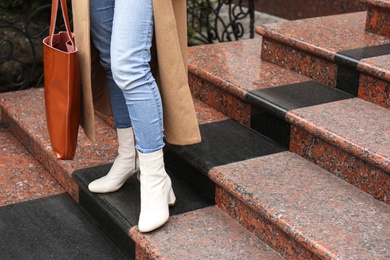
102	15
126	163
130	52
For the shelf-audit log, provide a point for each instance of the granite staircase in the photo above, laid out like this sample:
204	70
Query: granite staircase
295	155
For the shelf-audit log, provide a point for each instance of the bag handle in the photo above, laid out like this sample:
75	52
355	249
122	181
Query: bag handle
53	19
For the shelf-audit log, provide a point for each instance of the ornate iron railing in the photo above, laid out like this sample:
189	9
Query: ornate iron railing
20	58
212	21
21	66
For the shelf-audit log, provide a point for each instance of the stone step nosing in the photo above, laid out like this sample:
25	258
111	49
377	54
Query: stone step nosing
30	141
339	141
377	3
274	217
341	58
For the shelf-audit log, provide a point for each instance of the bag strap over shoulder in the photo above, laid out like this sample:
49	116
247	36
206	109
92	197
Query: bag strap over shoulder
53	19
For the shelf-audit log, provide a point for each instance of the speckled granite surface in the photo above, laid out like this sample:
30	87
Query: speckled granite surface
207	233
374	83
300	9
350	138
320	48
23	112
328	216
357	126
344	165
324	36
378	16
236	67
221	75
22	178
378	3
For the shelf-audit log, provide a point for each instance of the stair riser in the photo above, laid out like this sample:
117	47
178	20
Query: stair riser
219	99
299	61
348	167
346	78
374	90
378	21
47	160
286	244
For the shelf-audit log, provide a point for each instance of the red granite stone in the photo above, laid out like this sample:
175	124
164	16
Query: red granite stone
207	233
222	74
323	36
309	46
206	114
300	9
220	99
22	177
262	227
28	123
374	90
353	125
342	164
326	215
378	16
299	61
378	3
378	67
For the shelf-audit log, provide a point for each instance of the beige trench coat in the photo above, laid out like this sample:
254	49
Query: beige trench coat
169	67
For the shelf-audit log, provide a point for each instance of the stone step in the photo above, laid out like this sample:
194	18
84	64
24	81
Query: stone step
22	177
209	229
378	16
334	50
345	135
23	113
301	210
38	219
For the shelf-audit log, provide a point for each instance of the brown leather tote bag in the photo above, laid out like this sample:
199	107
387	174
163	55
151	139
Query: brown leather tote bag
62	86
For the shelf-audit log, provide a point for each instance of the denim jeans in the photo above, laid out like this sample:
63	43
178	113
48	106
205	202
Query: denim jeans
122	31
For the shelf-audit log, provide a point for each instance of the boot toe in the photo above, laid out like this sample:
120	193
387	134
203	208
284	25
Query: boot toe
153	221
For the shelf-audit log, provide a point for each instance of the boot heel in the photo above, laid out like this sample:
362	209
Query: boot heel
171	198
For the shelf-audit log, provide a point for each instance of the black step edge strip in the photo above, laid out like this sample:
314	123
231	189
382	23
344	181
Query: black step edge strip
348	60
225	142
281	99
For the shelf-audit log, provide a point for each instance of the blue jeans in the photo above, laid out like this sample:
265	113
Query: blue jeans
122	31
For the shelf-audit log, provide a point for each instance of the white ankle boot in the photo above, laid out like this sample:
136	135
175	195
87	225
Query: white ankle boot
156	192
125	164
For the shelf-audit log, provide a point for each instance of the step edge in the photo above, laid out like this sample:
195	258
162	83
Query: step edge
339	141
218	82
274	216
68	184
376	3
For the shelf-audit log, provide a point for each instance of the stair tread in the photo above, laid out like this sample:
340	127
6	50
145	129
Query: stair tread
339	38
341	123
215	232
27	111
237	68
318	209
22	177
324	36
376	66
